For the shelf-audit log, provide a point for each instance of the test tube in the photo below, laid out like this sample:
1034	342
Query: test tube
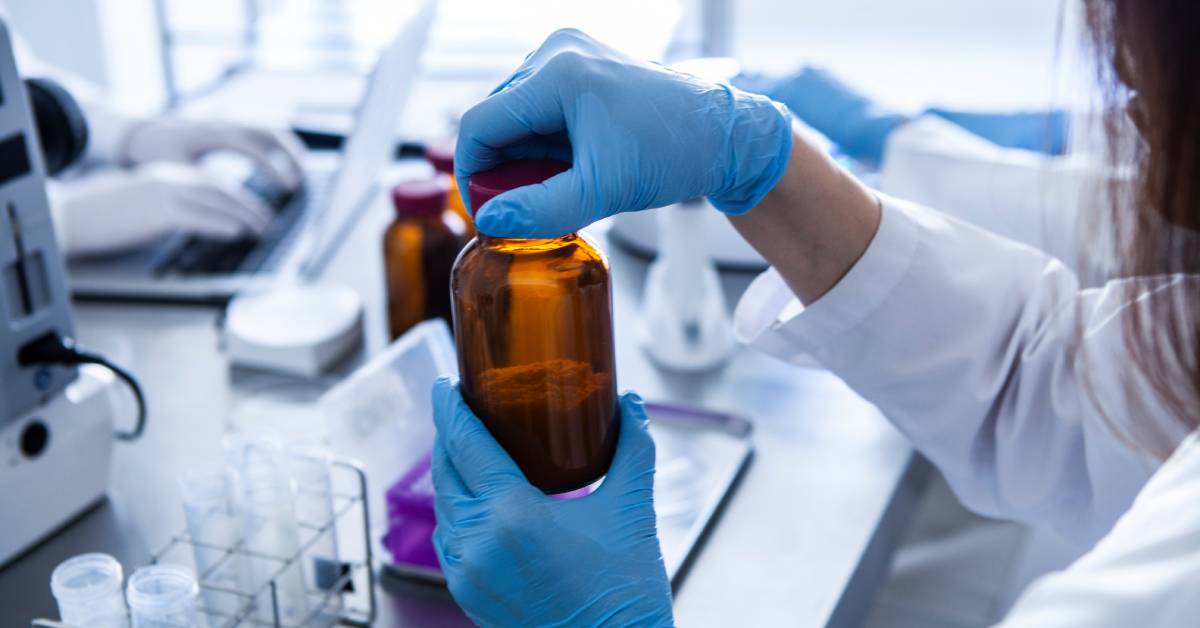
271	534
87	589
163	596
215	527
309	464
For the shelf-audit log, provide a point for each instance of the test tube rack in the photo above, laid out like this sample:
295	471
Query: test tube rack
328	605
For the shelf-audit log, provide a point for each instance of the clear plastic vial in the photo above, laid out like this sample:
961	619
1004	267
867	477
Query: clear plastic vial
533	326
87	589
163	596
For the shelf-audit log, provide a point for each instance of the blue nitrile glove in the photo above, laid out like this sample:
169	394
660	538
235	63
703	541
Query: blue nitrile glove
639	135
861	128
515	557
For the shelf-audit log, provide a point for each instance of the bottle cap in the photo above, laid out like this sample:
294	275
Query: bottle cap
419	198
486	185
442	157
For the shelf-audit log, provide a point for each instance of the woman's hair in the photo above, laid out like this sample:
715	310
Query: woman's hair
1149	63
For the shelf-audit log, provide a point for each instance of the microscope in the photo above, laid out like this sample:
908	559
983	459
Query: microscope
56	415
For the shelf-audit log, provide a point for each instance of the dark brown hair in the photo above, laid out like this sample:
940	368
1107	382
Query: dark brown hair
1149	64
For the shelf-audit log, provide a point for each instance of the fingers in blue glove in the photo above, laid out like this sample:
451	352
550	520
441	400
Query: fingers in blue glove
513	556
470	450
632	468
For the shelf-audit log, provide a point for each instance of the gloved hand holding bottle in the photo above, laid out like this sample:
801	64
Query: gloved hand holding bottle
638	135
516	557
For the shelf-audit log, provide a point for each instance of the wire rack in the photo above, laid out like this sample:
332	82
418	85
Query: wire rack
260	605
336	601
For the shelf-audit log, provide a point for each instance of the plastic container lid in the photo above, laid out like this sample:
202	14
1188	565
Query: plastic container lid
486	185
419	198
442	157
161	587
86	577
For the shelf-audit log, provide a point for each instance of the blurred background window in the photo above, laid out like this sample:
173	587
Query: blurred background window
962	53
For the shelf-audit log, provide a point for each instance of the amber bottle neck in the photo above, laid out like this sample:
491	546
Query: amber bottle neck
519	244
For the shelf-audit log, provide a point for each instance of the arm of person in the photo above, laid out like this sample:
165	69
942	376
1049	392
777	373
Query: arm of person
975	346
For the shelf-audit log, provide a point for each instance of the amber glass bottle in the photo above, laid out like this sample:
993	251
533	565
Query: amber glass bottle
533	325
419	248
442	158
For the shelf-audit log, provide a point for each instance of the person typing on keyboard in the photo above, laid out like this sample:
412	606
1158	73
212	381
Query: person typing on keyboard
153	187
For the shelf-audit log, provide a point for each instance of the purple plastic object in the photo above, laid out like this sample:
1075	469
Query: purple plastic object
510	175
411	517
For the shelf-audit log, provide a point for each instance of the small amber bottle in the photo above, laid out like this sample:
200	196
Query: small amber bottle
419	248
442	159
533	325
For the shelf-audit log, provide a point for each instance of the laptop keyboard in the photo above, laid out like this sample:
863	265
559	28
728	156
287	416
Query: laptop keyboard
196	255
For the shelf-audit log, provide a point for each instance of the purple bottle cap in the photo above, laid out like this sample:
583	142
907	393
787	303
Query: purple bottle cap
442	157
486	185
419	198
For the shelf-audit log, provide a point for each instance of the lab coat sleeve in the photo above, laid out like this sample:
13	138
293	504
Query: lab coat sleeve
1029	197
973	346
1145	573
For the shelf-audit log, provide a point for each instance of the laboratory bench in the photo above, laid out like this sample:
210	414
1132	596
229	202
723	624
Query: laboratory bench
804	539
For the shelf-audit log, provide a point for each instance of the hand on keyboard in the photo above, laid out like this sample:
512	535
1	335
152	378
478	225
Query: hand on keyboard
118	210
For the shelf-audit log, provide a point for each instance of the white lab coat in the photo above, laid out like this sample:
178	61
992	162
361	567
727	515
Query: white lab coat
1010	379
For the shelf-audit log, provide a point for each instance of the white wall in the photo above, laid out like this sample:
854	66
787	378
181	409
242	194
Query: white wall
112	43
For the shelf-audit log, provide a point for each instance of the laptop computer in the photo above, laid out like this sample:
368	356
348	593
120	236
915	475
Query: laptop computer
309	224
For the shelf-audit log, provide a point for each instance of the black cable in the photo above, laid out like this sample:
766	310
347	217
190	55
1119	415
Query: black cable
54	349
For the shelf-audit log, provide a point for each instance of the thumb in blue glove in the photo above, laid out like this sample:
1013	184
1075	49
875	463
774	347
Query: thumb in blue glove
514	557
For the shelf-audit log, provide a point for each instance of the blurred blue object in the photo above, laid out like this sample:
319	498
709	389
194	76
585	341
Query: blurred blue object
1039	131
514	556
860	127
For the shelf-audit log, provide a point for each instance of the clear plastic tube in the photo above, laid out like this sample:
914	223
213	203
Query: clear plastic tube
271	532
163	596
309	465
87	589
215	526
